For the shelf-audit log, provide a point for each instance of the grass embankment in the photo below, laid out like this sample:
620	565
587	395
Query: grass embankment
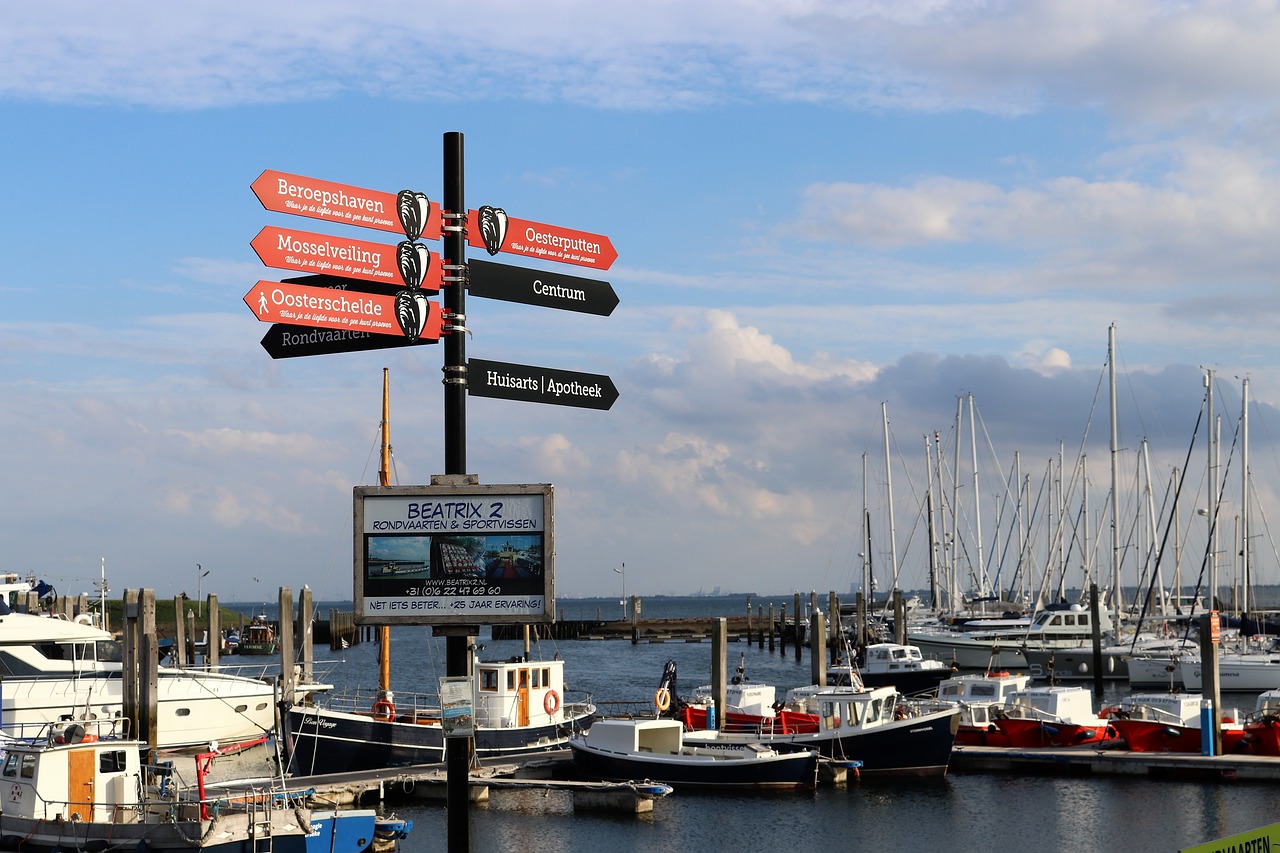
165	610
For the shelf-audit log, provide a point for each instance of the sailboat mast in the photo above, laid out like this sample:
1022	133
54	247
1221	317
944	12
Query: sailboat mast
977	499
1244	491
1211	510
933	537
888	479
384	479
1116	603
955	497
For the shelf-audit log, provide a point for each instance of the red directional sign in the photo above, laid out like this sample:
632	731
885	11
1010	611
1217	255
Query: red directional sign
323	254
408	312
490	228
285	193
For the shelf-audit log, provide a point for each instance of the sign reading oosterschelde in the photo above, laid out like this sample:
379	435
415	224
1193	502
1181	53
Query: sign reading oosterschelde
326	308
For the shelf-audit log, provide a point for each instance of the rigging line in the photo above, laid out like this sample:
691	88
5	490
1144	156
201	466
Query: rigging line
1265	525
1213	526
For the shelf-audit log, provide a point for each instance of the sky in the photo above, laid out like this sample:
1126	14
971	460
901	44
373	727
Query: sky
834	221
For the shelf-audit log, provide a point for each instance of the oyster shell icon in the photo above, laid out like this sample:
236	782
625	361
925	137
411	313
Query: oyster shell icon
414	209
412	310
413	259
493	228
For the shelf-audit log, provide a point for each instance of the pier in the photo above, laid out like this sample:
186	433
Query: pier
1081	761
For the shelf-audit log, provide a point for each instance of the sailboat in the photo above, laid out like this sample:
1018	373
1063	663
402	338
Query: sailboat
518	706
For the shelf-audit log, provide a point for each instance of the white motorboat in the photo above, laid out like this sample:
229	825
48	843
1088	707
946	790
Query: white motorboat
625	750
59	671
998	643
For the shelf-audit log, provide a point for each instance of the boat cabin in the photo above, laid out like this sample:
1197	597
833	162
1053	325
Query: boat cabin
979	695
660	737
1055	704
73	778
518	692
1182	709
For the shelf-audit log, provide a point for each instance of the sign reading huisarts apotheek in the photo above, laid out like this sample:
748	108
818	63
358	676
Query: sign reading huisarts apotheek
468	554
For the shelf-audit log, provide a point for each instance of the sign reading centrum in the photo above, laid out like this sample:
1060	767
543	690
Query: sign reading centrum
463	554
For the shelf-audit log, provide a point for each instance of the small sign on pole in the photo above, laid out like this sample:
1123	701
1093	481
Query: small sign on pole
457	716
1215	627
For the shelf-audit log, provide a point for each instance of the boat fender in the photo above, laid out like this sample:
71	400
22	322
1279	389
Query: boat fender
384	711
84	619
551	702
662	699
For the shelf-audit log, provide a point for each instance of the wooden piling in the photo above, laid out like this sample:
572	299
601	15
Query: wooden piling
719	668
179	633
749	625
834	628
818	648
799	631
782	629
306	635
129	661
770	626
760	633
148	670
285	638
213	655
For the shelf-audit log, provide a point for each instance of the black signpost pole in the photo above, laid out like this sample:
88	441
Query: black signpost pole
457	653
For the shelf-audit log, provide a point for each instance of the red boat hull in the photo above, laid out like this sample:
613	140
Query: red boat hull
1036	734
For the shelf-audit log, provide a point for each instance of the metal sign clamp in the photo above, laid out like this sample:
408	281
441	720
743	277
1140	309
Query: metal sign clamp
459	218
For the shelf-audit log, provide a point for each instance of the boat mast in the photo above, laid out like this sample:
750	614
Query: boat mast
977	498
384	479
1211	511
868	580
1244	492
888	479
955	499
933	534
1116	603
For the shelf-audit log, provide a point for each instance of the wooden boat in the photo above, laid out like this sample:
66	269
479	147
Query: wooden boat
625	750
1052	717
73	791
1169	722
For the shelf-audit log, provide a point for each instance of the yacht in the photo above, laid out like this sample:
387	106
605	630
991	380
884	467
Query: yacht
59	670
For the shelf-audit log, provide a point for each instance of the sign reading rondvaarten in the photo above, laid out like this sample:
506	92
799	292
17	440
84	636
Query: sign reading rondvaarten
467	554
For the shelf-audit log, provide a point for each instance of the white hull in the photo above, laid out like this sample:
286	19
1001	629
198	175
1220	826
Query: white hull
1245	673
969	653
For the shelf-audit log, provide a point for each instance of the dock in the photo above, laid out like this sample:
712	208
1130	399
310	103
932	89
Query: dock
1082	761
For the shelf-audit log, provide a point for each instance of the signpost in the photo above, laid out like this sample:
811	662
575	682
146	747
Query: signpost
538	287
490	228
539	384
285	341
282	192
284	248
325	308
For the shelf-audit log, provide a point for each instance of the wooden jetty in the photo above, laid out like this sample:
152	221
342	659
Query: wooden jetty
1082	761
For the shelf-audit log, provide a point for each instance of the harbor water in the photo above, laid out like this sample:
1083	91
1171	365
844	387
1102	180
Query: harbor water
963	812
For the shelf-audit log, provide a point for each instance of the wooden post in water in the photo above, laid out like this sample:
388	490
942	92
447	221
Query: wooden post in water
818	648
769	626
148	670
799	630
306	635
860	614
285	637
635	619
82	603
782	630
760	633
129	662
719	669
1096	631
833	618
191	636
179	633
527	648
749	626
1210	681
214	654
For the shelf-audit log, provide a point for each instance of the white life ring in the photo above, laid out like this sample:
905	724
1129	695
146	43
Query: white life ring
84	619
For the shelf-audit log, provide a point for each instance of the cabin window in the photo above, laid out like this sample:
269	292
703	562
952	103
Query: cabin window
537	680
873	710
1069	619
511	679
52	651
28	766
111	761
240	709
546	676
110	651
489	680
11	765
955	690
1084	619
853	713
983	690
183	712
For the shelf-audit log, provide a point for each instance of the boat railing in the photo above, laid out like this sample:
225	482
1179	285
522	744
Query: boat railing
69	731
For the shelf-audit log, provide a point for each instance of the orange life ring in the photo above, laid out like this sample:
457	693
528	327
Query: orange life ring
384	711
551	702
83	739
662	698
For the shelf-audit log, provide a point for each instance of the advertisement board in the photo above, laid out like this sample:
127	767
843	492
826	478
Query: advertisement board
454	554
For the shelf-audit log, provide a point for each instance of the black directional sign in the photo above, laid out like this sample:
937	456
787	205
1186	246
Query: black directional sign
285	341
539	287
539	384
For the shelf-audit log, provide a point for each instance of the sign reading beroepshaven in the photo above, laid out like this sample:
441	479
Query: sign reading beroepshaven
464	554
